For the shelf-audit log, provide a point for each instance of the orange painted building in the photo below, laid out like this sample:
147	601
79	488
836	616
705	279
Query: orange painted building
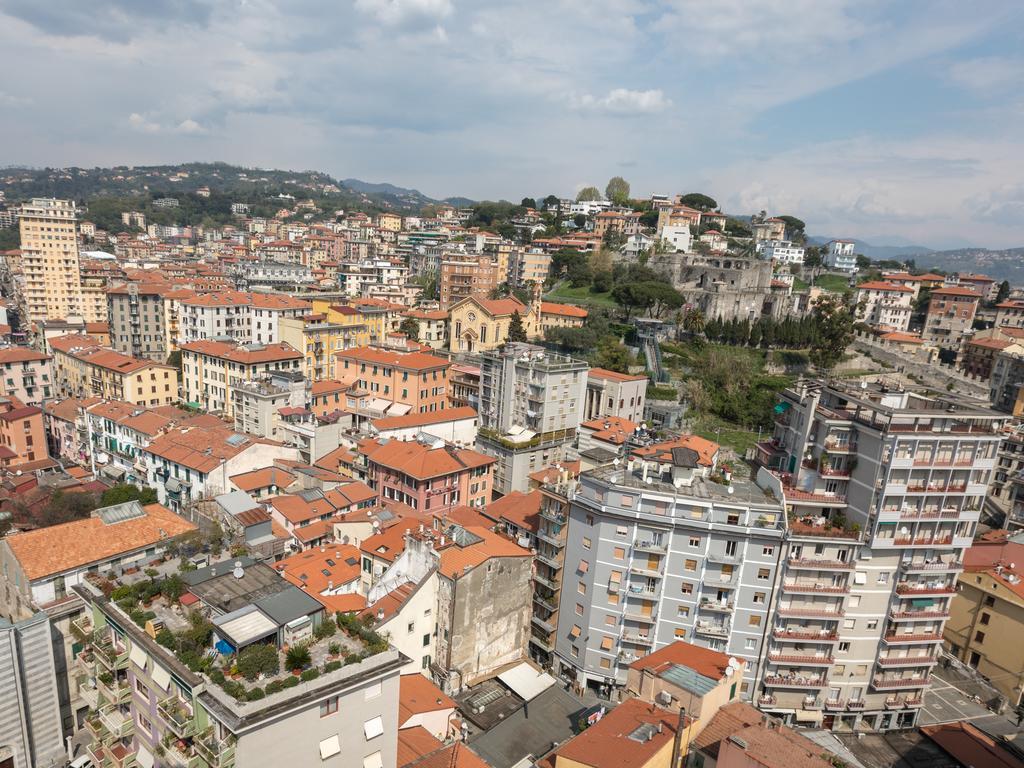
416	379
22	434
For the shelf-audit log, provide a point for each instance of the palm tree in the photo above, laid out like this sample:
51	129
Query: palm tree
694	321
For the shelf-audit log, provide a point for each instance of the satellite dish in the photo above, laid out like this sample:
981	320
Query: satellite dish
731	490
238	572
678	482
863	385
650	480
644	425
616	462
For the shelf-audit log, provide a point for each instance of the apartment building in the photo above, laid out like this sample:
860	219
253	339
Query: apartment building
51	284
240	317
530	405
22	433
840	256
417	381
82	368
551	519
1006	385
780	251
319	339
26	375
118	433
152	707
481	324
1010	314
883	487
468	277
138	320
211	370
432	327
950	317
987	613
610	393
554	315
257	405
658	551
885	305
430	476
530	266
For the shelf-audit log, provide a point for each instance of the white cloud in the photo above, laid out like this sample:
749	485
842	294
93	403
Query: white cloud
140	123
990	74
395	12
623	101
190	126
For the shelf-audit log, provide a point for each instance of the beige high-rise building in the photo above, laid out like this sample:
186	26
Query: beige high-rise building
52	286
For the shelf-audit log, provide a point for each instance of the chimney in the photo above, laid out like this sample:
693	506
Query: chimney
380	614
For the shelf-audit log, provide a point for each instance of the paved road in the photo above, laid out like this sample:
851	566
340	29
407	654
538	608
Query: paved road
945	703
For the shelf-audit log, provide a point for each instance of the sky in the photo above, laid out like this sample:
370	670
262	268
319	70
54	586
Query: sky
894	122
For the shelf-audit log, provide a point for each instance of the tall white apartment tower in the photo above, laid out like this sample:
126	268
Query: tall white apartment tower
52	281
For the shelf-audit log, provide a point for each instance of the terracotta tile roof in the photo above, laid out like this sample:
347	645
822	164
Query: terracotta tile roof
457	755
706	449
320	569
954	290
424	419
350	494
349	603
456	560
986	556
252	354
298	511
902	338
727	721
703	661
467	517
500	307
252	516
59	548
277	301
565	310
969	745
551	474
414	743
147	423
403	361
603	373
389	543
990	343
72	341
418	695
879	285
522	509
389	604
606	744
219	299
263	478
780	747
115	361
21	355
422	314
326	386
201	448
421	462
611	429
67	410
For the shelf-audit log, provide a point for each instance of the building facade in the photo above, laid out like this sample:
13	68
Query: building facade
51	280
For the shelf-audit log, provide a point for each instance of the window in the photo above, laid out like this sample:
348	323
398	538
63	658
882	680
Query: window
373	761
411	627
329	747
426	640
695	541
615	578
750	644
373	727
621	530
575	631
979	637
613	598
691	566
586	543
584	566
579	609
605	663
680	632
763	574
687	588
844	647
683	611
872	623
329	706
985	618
883	578
759	597
989	600
606	643
581	588
768	551
609	619
141	688
754	620
619	553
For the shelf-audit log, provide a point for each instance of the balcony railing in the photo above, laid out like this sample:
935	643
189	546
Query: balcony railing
184	756
918	615
179	717
884	684
113	756
924	589
907	661
779	681
910	566
828	613
83	629
801	659
111	656
834	704
711	629
218	753
118	723
636	639
641	569
906	541
650	546
807	587
645	618
805	563
716	606
805	635
923	637
855	705
116	692
766	701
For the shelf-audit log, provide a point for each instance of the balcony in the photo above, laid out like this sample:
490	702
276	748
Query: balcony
637	639
909	637
111	655
800	659
805	635
94	725
722	557
907	661
115	691
641	569
542	624
542	643
710	629
808	612
720	580
894	702
803	563
840	446
86	661
83	629
545	582
88	693
899	683
906	541
855	706
114	756
545	603
766	701
183	755
118	723
809	588
650	546
551	540
910	589
218	753
834	705
920	566
549	562
779	681
644	618
716	606
918	615
797	496
553	516
178	716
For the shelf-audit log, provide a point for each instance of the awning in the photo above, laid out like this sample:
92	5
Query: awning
138	656
373	761
144	757
922	602
525	681
160	676
782	407
808	716
113	471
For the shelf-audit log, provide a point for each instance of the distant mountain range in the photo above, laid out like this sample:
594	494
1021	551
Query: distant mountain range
877	251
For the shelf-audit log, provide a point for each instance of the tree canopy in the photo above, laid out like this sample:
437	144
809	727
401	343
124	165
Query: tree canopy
528	202
699	201
587	194
1004	291
119	494
617	190
516	331
835	321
